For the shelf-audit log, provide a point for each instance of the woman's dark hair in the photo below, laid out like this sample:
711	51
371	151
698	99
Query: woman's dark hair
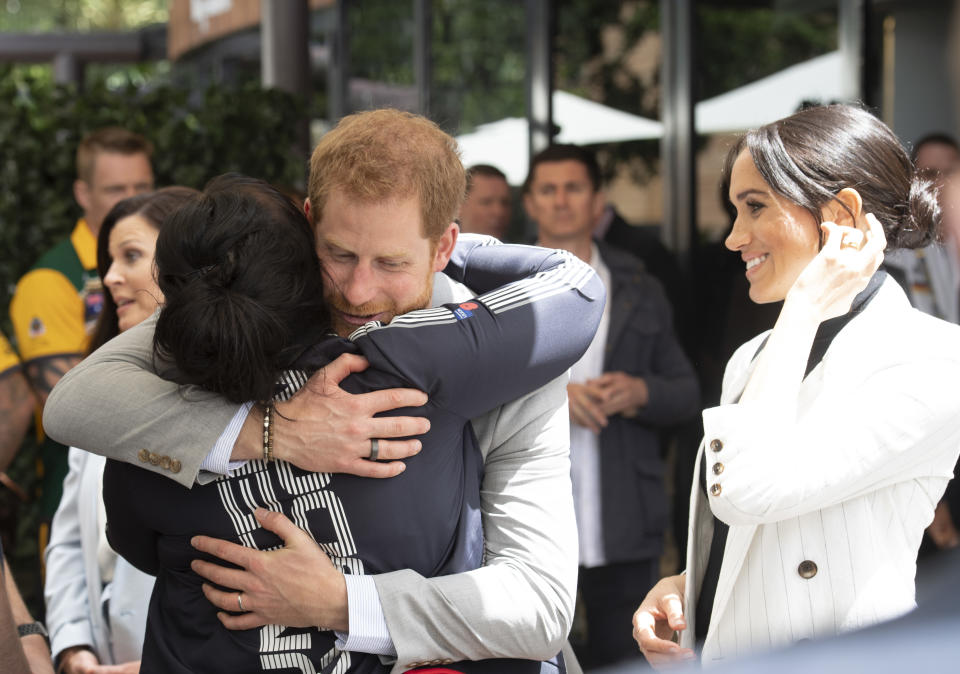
154	207
811	155
243	289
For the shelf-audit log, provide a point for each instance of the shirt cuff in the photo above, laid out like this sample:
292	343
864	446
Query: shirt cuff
368	626
218	460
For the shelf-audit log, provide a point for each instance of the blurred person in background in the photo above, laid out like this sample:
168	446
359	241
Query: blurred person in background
931	278
938	152
16	407
16	410
56	304
839	429
97	601
931	275
633	381
22	640
487	207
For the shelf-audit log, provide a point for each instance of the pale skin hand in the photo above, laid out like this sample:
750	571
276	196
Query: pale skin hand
654	623
621	393
82	661
324	429
585	402
296	585
835	276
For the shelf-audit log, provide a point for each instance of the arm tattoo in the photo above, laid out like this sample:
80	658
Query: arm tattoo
44	373
16	408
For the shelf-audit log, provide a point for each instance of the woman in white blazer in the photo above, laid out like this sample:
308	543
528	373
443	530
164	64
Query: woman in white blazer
839	429
96	601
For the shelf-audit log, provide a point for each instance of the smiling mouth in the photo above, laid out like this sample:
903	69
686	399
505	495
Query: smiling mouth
121	304
754	261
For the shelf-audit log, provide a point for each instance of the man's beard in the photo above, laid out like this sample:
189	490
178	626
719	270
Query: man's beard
390	309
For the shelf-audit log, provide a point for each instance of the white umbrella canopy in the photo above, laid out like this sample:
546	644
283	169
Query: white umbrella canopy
504	143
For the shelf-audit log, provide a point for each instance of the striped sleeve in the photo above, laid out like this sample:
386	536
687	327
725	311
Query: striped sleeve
538	313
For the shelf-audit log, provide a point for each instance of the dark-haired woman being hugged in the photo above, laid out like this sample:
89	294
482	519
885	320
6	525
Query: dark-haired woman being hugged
245	316
838	430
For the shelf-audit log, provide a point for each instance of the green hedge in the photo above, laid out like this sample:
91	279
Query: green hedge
196	134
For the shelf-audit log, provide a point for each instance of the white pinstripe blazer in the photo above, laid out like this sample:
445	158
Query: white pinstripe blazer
849	484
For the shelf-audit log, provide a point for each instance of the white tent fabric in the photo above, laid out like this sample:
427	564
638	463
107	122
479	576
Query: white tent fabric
504	143
772	97
584	122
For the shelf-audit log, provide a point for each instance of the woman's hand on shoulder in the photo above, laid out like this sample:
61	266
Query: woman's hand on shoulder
661	615
843	267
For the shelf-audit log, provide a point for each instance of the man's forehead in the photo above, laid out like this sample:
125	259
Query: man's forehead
114	167
561	171
350	222
489	182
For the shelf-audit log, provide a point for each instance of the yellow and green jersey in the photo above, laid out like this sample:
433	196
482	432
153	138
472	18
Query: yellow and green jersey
57	302
54	309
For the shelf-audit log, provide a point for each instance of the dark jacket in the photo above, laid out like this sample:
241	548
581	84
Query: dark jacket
640	342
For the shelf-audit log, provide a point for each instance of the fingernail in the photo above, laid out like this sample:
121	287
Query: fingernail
194	541
417	446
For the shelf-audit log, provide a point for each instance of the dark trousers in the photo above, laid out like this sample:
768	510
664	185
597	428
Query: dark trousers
609	596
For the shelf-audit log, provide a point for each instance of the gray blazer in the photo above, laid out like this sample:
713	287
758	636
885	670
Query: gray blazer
518	605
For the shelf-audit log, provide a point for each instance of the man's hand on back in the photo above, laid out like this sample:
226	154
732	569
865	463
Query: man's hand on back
325	429
296	585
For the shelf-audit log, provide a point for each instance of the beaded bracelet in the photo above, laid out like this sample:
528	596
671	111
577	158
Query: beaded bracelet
268	433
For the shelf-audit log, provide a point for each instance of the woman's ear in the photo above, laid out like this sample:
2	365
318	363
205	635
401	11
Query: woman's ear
846	208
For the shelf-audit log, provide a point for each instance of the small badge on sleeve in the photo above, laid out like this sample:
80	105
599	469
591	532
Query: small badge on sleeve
465	310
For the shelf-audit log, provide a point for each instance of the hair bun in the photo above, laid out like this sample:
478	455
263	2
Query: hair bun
243	289
221	340
921	222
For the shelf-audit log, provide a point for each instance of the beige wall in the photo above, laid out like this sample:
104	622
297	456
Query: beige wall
643	204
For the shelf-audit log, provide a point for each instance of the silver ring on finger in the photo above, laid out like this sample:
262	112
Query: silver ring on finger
240	602
374	449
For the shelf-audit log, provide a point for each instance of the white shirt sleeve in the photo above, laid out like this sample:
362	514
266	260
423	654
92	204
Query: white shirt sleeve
218	460
368	627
